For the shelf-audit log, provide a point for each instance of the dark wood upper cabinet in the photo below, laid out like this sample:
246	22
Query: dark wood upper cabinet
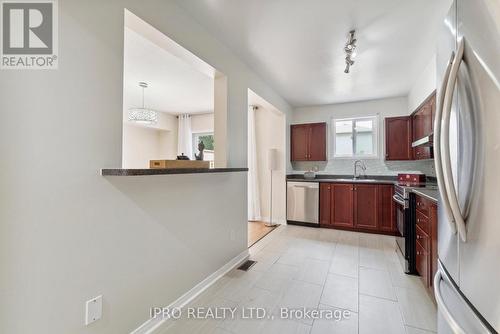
342	205
386	209
325	200
423	125
422	121
365	206
308	142
317	142
432	102
401	132
299	142
398	138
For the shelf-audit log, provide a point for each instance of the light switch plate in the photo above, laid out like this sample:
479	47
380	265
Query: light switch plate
93	310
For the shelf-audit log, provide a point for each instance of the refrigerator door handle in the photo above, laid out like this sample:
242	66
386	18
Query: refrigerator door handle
437	147
445	144
442	305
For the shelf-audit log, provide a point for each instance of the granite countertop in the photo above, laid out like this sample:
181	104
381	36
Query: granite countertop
161	171
373	179
429	193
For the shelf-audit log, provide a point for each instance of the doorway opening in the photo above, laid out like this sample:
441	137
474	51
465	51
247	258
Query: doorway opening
266	164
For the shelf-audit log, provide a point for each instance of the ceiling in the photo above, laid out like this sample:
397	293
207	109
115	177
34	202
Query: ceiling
297	46
175	86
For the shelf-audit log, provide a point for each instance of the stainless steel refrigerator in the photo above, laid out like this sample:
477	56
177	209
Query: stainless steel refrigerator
467	150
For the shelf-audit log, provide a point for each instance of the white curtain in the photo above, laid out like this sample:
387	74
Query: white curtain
253	177
185	136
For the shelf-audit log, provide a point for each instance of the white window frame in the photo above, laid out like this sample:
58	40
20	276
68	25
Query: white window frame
376	127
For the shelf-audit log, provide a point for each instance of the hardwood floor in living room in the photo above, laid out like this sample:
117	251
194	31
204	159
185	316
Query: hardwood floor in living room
257	230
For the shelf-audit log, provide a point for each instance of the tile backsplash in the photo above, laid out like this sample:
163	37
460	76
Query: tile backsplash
373	167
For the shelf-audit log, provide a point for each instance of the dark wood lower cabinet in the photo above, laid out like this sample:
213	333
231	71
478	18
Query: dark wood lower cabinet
426	235
386	209
422	263
342	205
366	206
357	207
325	200
433	217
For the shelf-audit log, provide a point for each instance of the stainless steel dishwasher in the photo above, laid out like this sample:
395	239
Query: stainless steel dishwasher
302	202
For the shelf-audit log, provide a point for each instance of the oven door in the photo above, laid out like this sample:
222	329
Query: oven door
401	208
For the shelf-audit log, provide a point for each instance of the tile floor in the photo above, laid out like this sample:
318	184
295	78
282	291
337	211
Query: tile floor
319	269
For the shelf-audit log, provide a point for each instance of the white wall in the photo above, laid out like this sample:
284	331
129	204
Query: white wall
202	123
140	145
423	86
383	108
270	130
68	234
144	143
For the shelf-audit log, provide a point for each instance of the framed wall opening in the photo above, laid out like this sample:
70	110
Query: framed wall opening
170	97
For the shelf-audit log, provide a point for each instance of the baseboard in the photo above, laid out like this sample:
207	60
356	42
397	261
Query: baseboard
154	323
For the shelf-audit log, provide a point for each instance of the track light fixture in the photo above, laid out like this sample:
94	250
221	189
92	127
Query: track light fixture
350	50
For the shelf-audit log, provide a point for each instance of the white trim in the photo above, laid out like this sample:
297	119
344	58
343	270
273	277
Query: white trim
153	324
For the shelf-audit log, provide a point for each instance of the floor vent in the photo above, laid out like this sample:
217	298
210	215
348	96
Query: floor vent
246	265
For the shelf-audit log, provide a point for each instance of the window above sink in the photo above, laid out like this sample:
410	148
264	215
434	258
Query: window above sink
355	137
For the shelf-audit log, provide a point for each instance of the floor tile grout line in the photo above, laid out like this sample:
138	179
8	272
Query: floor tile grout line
378	297
324	284
422	329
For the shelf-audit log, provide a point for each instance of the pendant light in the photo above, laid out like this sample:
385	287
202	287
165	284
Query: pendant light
142	115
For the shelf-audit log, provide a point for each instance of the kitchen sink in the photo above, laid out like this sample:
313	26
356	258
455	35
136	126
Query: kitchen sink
359	180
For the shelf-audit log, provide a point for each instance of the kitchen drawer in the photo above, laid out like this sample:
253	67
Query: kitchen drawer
423	222
423	239
423	205
422	264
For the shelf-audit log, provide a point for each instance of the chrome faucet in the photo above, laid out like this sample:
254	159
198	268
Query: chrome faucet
360	164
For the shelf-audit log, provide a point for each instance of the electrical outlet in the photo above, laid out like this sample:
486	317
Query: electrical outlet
93	310
232	235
